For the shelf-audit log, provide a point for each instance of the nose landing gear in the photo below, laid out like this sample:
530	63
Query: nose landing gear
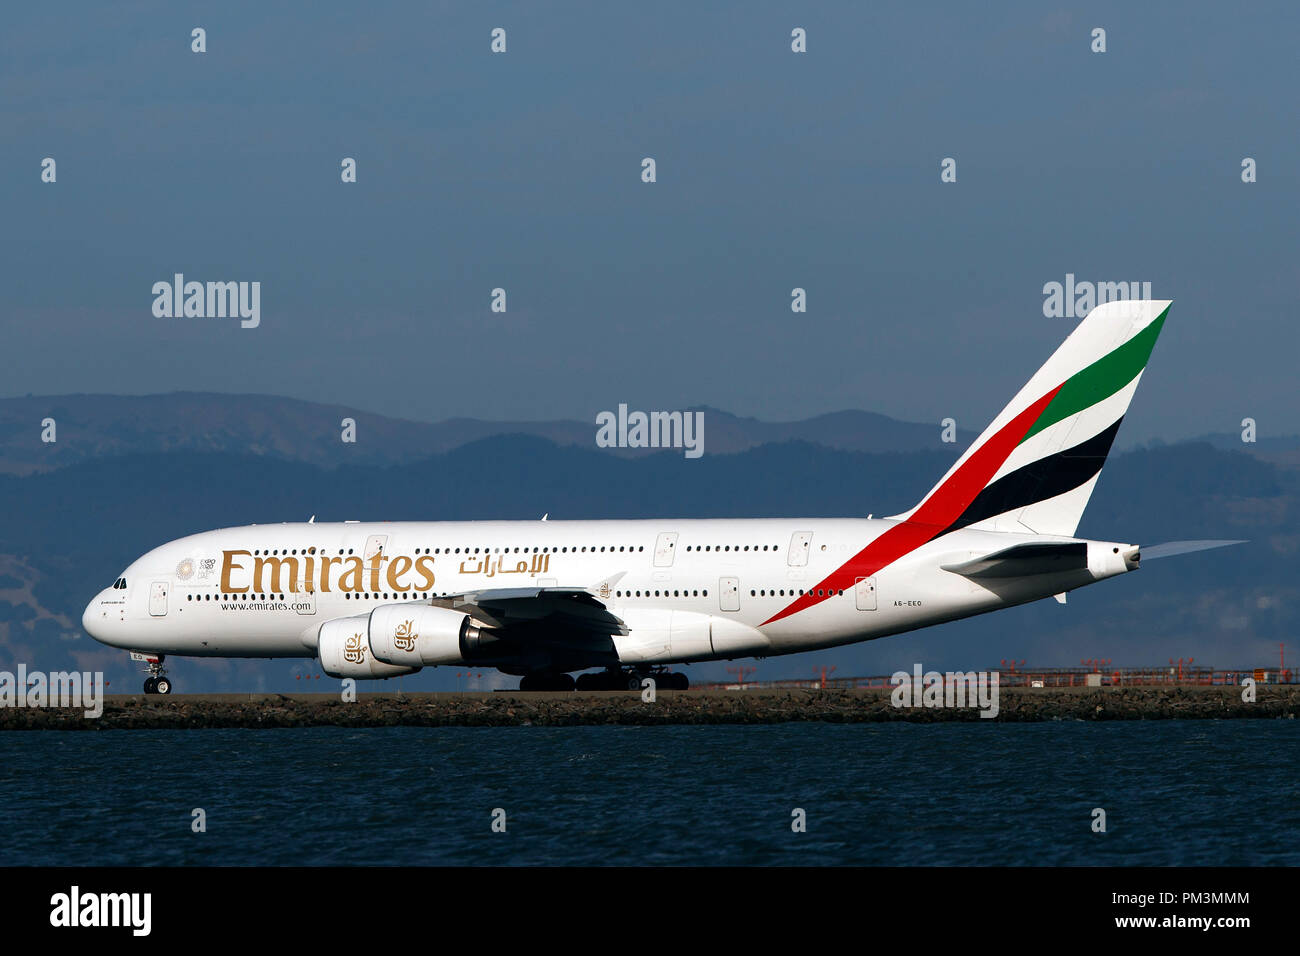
156	682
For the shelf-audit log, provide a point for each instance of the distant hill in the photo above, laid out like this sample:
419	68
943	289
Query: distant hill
1283	450
71	531
98	426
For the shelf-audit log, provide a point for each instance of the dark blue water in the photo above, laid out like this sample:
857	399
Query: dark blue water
1175	792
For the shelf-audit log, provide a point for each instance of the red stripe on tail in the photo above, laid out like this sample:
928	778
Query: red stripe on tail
944	506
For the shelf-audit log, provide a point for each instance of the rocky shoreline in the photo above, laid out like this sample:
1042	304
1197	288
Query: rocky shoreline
514	709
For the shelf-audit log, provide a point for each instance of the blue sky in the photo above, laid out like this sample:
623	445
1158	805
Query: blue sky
775	170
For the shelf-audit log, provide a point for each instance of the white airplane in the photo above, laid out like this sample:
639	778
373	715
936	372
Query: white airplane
544	599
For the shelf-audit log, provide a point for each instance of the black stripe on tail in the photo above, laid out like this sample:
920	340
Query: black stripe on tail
1039	480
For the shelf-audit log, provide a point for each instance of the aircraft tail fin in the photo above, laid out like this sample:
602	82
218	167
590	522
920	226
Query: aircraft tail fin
1033	469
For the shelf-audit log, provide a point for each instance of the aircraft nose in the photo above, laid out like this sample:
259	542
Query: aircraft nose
93	618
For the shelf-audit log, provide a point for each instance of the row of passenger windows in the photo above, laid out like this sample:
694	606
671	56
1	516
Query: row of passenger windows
754	592
565	550
791	592
730	547
412	595
665	593
284	552
377	596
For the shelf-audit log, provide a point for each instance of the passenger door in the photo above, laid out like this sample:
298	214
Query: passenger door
665	548
374	545
158	599
729	594
864	594
800	545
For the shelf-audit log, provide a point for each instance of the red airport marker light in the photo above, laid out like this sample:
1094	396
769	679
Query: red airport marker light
741	673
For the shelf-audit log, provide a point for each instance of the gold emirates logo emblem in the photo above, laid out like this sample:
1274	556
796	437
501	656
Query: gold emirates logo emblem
354	650
404	637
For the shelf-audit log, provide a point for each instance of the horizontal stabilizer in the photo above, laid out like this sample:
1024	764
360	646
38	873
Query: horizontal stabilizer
1171	548
1025	559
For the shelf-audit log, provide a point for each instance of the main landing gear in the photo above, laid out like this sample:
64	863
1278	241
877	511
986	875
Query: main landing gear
156	683
546	682
613	679
631	680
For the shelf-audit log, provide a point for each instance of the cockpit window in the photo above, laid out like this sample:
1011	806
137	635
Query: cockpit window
119	584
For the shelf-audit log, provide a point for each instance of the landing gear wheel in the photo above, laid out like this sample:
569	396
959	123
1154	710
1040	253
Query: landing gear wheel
155	683
545	682
631	680
604	680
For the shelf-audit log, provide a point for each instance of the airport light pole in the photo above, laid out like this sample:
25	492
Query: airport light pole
741	673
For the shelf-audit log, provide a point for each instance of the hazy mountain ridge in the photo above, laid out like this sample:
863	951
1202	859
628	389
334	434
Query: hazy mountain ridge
1283	450
97	426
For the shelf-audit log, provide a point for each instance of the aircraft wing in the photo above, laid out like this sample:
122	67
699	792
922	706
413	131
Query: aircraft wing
569	608
1025	559
572	617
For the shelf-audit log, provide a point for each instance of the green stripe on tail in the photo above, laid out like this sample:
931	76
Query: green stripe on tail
1102	379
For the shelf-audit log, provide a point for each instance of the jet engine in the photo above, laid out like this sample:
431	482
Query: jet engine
344	651
415	635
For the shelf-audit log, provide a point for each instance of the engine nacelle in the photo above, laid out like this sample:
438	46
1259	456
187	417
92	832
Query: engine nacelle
415	635
344	651
659	635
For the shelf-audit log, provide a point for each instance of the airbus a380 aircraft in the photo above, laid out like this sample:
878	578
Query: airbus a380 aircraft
543	599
